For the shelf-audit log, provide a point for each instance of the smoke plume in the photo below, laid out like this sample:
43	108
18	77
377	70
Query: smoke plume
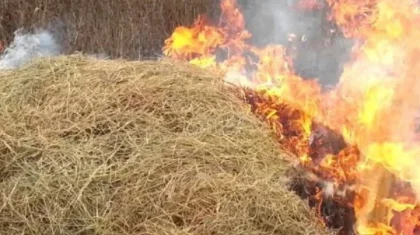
319	50
26	47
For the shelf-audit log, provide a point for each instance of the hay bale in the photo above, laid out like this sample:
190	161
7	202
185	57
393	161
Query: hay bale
114	147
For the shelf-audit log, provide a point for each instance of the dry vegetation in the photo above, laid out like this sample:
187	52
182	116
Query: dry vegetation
128	28
114	147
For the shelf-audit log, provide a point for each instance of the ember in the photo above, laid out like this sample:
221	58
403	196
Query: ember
355	143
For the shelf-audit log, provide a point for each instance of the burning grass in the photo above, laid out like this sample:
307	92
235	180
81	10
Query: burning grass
361	173
113	147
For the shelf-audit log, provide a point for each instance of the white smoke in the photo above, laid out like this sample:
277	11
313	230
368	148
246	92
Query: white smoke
317	48
26	47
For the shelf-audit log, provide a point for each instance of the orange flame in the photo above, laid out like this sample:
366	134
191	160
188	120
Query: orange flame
373	106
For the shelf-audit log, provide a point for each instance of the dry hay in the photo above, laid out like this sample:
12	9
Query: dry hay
114	147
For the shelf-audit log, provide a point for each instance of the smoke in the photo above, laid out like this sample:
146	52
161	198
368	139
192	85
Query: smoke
26	47
29	46
320	50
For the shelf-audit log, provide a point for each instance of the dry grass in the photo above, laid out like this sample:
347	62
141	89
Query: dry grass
129	28
114	147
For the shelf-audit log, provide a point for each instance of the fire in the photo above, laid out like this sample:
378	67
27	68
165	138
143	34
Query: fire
201	40
359	138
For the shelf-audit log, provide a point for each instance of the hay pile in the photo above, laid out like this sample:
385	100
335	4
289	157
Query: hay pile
113	147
